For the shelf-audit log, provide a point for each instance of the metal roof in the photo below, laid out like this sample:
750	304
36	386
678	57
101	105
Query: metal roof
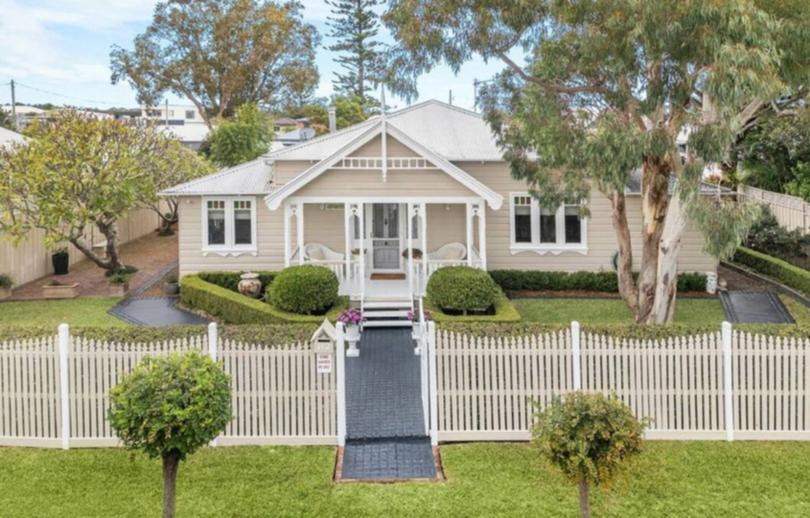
10	137
248	178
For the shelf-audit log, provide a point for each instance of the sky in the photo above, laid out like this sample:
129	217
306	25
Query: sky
58	52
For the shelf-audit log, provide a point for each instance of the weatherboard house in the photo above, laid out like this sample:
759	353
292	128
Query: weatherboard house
386	202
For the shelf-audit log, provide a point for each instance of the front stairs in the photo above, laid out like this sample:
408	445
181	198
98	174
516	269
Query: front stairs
387	311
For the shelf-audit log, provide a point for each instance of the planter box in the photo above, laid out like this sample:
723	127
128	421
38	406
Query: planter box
61	291
118	290
5	293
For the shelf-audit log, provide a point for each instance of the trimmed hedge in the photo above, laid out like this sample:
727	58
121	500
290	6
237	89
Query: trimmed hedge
462	288
230	280
606	282
305	289
235	308
793	276
505	312
269	334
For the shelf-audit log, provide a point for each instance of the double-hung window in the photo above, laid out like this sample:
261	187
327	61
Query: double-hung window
545	229
229	225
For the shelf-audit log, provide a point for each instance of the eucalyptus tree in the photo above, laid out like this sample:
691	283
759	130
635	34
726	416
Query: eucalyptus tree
606	88
220	54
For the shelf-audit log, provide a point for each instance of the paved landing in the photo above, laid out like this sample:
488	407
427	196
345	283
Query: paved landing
155	311
385	426
754	307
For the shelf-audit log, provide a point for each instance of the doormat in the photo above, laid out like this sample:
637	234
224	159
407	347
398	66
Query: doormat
387	276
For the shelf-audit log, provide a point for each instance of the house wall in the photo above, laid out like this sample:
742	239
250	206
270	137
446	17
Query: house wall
411	182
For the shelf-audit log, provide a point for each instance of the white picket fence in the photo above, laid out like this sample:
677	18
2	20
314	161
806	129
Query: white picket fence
54	391
726	385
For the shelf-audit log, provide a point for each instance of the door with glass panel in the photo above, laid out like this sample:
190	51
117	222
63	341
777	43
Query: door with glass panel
385	236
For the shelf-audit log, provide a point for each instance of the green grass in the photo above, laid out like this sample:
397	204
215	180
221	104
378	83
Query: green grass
612	311
668	479
51	313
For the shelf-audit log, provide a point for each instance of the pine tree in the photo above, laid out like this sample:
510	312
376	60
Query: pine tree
355	24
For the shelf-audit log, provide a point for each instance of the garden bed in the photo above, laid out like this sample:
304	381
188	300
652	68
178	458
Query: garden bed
504	311
586	294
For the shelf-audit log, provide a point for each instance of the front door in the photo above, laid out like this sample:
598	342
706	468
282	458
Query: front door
385	236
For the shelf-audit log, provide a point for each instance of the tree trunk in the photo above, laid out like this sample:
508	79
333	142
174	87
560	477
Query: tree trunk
584	504
113	260
171	463
654	202
666	290
624	270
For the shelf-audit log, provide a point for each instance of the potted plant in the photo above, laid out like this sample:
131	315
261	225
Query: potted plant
417	254
119	283
5	286
57	290
60	260
352	318
172	286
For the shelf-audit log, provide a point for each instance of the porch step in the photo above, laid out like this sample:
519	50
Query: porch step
394	302
387	323
386	312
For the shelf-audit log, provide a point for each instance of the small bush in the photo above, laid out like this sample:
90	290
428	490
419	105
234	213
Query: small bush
604	282
769	237
230	280
306	290
5	281
462	288
793	276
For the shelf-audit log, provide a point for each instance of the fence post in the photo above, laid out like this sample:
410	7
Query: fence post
212	340
212	352
340	366
433	384
728	396
64	386
576	354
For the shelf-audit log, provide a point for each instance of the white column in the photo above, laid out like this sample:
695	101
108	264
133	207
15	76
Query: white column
287	243
576	355
348	227
64	385
423	235
340	367
469	234
728	394
409	243
361	208
299	228
482	233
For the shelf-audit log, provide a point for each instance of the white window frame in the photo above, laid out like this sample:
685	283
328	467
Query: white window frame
536	246
229	248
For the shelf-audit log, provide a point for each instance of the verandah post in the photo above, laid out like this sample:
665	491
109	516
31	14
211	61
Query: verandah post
340	366
64	385
728	395
576	355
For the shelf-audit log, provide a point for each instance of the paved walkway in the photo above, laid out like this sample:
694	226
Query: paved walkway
386	434
754	307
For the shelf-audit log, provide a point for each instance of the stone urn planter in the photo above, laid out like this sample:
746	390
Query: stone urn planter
351	319
250	285
118	289
56	290
172	287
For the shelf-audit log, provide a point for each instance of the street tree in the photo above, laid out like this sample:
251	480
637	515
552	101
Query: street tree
169	407
592	91
245	137
220	54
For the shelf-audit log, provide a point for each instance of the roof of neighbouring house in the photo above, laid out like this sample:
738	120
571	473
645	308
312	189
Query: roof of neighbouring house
296	136
10	137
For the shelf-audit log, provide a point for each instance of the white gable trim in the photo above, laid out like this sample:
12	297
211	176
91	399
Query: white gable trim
275	199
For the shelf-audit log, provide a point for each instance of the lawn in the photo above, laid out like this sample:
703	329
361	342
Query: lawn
669	479
613	311
51	313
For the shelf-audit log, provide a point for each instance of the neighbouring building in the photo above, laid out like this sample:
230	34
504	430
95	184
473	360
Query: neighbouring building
182	121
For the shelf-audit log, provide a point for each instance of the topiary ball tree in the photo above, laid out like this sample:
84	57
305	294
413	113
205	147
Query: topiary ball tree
589	437
169	407
306	290
462	288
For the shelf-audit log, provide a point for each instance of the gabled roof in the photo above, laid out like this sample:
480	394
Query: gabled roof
248	178
371	131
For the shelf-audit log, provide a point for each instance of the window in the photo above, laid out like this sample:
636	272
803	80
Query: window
545	229
190	114
230	225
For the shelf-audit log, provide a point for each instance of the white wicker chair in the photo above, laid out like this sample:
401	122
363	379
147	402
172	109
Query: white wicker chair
318	253
450	252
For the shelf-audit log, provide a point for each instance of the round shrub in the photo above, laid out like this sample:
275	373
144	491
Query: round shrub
307	290
462	288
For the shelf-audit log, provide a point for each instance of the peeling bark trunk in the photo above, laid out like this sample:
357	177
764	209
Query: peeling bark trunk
666	290
113	260
584	504
624	271
171	463
654	203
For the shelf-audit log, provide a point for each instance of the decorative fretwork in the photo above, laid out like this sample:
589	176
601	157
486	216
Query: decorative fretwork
376	163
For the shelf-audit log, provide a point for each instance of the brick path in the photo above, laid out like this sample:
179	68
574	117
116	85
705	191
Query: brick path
150	254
